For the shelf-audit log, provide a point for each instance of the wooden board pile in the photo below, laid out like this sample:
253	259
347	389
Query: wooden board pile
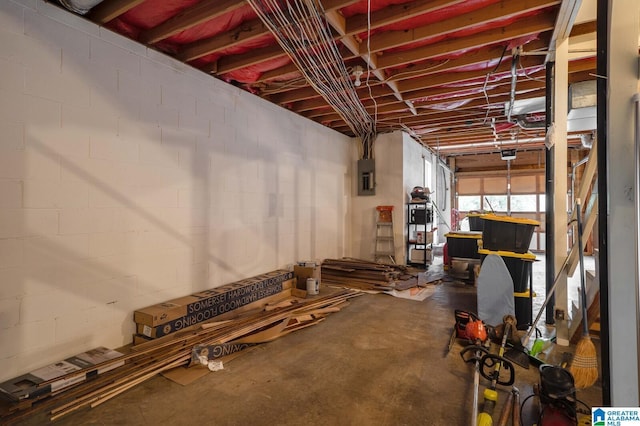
365	275
178	349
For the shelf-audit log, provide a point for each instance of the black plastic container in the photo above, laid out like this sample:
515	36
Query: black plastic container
518	264
507	233
475	221
523	307
463	244
420	216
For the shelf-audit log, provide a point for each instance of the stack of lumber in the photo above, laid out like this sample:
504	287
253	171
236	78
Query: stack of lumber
365	275
148	359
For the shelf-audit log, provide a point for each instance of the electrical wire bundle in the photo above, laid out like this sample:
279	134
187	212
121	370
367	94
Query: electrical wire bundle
304	34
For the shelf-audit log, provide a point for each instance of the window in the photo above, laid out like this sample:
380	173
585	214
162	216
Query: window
524	203
484	193
496	203
427	175
468	202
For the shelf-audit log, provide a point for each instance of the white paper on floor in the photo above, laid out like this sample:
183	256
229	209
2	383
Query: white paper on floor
414	293
215	365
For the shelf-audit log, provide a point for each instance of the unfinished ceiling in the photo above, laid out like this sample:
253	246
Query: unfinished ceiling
439	69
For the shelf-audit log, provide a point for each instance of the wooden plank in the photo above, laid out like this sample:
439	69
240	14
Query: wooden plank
200	12
501	10
395	13
109	10
593	313
587	229
248	31
529	26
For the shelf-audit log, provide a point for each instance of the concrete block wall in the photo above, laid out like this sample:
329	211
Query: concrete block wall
127	178
389	192
399	167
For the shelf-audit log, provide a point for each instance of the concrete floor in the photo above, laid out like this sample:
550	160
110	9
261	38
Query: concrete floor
380	361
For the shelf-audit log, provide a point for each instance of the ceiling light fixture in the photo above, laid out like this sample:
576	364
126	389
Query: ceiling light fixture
357	72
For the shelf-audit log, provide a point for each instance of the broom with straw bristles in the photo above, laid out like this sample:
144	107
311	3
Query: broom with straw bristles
584	367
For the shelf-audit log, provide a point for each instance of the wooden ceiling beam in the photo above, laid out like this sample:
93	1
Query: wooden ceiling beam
582	65
247	31
454	93
273	74
481	103
400	106
441	78
530	26
450	117
461	132
200	12
474	57
478	136
438	118
321	103
109	10
533	25
429	68
308	93
582	76
523	84
583	28
502	143
395	13
422	129
231	63
478	104
244	32
496	11
448	78
435	67
503	87
440	48
330	5
467	59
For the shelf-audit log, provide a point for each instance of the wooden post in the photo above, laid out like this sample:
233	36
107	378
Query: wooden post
560	186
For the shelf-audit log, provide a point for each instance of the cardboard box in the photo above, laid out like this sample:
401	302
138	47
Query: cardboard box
209	303
304	272
424	237
28	385
151	333
212	303
163	312
418	255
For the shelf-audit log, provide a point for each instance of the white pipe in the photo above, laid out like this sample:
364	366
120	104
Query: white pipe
80	6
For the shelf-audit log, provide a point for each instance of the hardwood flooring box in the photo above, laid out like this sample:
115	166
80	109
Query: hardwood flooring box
60	375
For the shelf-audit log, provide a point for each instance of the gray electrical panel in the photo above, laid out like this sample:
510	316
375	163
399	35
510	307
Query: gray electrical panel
366	177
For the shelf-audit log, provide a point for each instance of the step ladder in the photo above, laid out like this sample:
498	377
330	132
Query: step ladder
385	249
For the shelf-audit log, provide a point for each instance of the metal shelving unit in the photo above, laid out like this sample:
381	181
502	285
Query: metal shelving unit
419	234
